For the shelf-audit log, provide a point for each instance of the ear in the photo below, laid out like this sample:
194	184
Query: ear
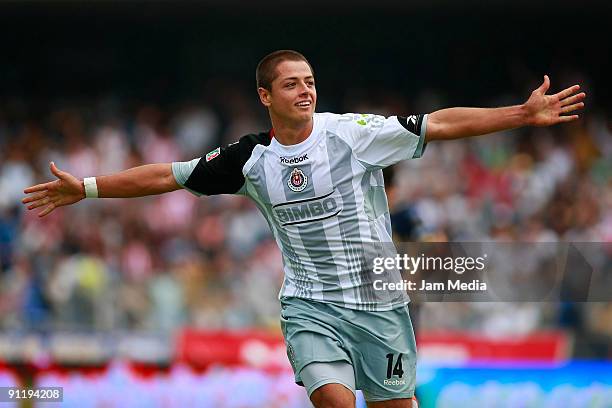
265	96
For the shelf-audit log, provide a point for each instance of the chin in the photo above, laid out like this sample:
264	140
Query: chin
303	116
306	117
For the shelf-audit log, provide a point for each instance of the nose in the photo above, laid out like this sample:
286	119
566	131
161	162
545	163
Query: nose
303	88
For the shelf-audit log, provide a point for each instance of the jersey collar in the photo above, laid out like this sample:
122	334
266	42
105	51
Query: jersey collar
300	147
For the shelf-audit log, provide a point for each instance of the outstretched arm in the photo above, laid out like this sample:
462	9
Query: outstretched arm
539	110
67	189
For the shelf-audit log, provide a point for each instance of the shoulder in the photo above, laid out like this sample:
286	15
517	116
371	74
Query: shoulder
328	119
220	171
248	142
336	123
242	150
353	120
234	155
253	139
350	126
251	147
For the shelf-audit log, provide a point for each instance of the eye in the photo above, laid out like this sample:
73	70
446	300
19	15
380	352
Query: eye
310	83
290	85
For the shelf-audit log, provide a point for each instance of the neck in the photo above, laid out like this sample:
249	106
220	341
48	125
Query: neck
291	133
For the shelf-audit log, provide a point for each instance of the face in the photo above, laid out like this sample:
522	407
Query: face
293	96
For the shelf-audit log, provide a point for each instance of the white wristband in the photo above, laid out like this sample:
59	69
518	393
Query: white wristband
91	187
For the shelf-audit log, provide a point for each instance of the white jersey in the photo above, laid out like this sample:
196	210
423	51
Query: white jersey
323	198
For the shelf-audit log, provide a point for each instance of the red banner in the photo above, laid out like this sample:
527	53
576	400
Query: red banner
251	348
464	347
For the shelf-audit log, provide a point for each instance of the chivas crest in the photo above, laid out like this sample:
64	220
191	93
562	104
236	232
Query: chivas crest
297	180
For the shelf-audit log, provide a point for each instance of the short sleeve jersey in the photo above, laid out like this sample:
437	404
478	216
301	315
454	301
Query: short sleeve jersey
323	198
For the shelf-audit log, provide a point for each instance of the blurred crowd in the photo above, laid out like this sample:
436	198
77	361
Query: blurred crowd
158	263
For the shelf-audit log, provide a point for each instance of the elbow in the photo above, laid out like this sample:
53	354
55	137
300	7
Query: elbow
170	184
168	180
436	129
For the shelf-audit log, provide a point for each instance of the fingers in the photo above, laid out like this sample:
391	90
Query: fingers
573	99
47	210
48	185
57	172
46	193
545	85
568	118
51	204
567	92
34	197
43	199
39	203
38	187
570	108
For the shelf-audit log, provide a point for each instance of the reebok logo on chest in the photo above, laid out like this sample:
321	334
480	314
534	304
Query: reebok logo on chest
293	160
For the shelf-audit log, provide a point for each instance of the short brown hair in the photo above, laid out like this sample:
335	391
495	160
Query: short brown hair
266	69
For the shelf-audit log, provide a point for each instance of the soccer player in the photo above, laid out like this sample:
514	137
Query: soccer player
317	179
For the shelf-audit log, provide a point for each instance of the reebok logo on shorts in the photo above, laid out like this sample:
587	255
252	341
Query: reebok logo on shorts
394	382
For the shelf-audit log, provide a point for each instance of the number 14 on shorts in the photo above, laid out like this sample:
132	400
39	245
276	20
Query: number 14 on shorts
394	369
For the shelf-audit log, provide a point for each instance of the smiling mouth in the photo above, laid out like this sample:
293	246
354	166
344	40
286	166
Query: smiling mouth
304	104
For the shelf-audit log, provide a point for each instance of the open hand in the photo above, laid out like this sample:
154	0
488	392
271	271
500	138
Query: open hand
546	110
66	190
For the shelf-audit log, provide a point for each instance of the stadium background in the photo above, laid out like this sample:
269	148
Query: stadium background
172	299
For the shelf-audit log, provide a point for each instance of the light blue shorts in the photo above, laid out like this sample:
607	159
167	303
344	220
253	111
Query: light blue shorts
380	346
